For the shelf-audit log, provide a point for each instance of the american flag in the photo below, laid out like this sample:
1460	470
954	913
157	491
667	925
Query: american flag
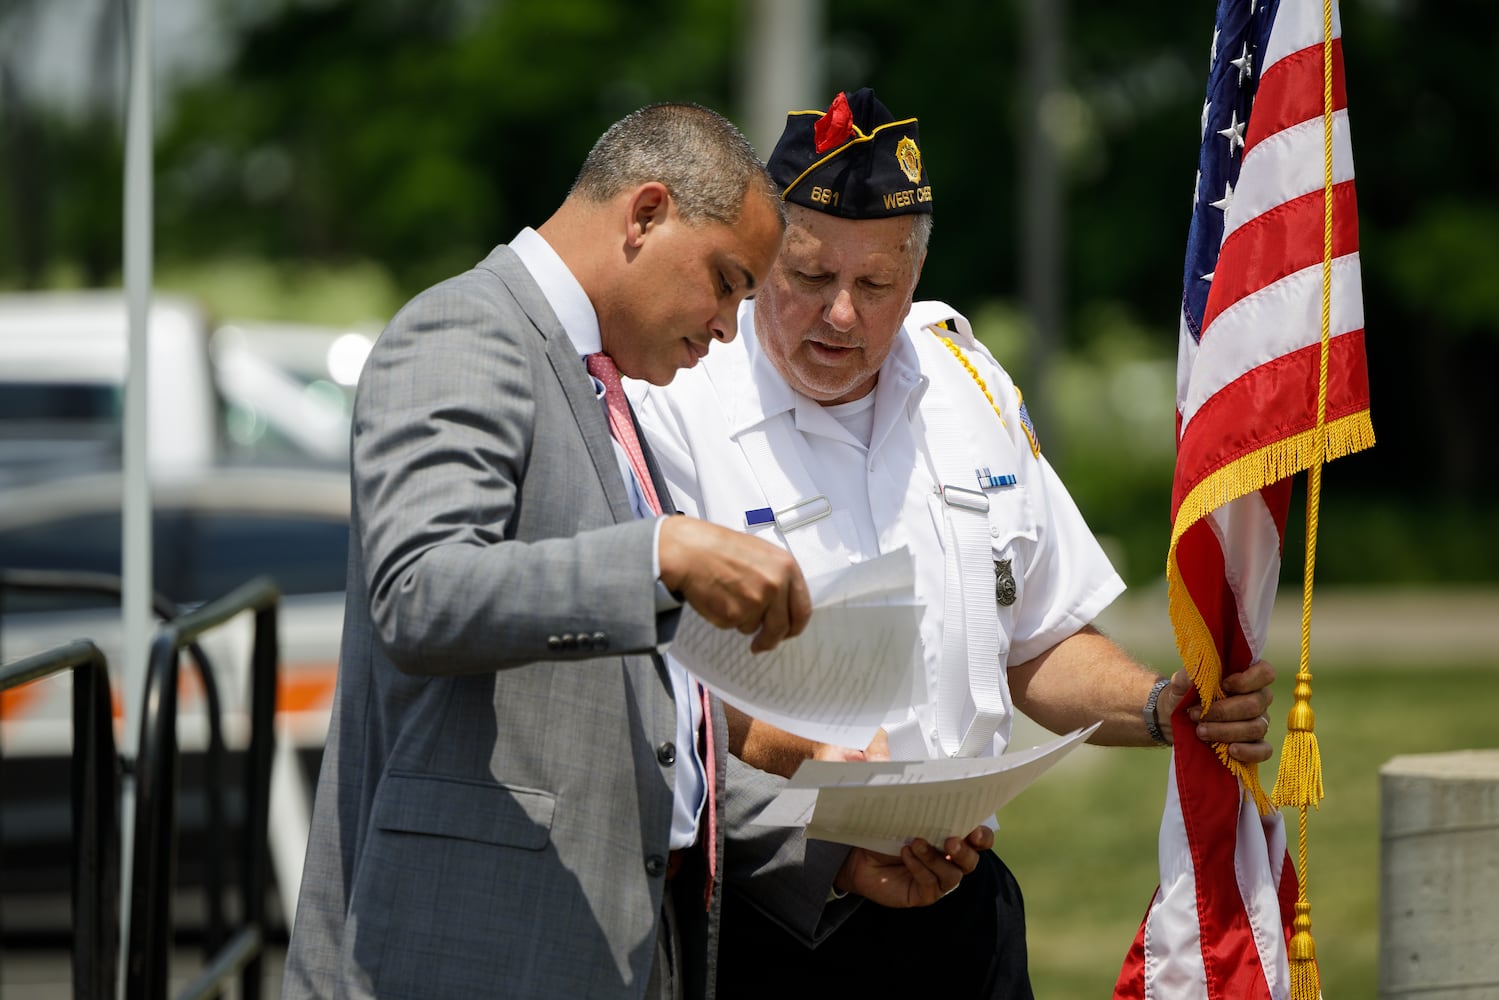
1247	420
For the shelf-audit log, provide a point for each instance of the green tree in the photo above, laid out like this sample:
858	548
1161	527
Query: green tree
419	133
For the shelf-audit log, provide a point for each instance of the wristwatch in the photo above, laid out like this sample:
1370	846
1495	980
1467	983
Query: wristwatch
1152	720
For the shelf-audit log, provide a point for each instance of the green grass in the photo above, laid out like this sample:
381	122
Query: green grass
1082	840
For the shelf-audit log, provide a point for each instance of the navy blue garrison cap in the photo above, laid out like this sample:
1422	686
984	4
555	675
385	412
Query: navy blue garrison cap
854	160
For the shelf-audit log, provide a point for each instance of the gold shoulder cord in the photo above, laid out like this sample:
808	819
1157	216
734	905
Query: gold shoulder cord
972	371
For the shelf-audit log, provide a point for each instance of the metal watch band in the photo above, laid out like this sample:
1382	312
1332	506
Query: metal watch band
1152	720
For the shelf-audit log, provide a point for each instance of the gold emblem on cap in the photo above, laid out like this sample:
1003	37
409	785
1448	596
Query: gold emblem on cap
909	158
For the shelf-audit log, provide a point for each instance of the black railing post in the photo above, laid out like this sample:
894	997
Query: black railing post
96	833
155	820
95	795
156	766
258	782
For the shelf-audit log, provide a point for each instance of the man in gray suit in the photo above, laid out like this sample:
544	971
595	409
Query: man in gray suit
514	798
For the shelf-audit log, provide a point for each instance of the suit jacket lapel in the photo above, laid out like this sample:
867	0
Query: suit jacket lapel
663	491
573	376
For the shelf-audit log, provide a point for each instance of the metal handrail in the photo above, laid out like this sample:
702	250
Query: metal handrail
156	801
95	794
111	585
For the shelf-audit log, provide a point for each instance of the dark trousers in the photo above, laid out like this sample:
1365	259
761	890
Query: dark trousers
969	944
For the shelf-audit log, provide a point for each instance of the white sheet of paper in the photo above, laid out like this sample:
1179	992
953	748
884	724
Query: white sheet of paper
838	680
881	805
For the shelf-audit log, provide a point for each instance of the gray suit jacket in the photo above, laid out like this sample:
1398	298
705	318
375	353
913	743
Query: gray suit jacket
495	801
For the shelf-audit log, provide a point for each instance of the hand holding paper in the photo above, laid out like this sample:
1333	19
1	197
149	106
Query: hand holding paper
882	805
920	875
837	681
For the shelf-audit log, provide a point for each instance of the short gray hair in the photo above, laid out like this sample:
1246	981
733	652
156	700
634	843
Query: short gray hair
921	235
704	161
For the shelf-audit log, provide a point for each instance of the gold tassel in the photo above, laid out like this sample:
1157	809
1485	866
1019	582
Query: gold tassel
1306	982
1298	782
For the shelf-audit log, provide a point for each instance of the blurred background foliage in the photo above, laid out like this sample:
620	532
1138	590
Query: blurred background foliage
338	155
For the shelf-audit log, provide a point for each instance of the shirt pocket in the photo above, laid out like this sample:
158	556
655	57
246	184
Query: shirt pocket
1012	534
820	546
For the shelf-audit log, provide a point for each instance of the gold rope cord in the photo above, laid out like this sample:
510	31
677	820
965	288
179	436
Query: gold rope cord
972	371
1299	780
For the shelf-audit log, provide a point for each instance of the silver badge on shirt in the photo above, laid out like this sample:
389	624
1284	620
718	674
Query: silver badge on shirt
1004	583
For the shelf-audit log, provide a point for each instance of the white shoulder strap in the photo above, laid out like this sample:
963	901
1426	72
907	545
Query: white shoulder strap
972	677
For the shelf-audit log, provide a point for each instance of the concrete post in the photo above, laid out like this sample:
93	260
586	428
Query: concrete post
1439	876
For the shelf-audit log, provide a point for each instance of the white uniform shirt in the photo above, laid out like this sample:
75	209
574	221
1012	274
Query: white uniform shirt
732	437
581	324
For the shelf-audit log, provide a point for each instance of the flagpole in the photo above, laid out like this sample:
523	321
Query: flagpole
135	599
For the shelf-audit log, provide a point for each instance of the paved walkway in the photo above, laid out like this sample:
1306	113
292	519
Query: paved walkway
1350	628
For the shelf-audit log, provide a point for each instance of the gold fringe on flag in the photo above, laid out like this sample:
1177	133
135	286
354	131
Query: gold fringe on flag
1272	463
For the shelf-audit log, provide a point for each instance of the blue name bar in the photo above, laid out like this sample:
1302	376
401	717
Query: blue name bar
764	515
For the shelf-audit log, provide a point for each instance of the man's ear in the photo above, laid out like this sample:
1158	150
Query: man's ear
648	207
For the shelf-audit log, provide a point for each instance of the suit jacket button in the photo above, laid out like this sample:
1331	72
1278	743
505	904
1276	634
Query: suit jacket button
600	641
553	642
569	641
655	866
666	753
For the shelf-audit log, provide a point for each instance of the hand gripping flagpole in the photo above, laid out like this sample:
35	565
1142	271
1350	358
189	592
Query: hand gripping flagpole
1298	782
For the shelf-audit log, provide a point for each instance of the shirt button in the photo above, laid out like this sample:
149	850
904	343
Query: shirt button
666	753
993	531
655	866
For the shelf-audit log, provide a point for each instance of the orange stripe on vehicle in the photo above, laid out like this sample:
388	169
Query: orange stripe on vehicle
13	702
306	687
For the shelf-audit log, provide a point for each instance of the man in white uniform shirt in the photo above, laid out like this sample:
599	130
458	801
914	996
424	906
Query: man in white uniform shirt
848	421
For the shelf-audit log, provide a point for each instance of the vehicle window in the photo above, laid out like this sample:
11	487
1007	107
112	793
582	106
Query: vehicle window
82	404
198	556
46	427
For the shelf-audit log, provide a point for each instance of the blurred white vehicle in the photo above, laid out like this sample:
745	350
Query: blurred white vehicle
63	357
246	391
289	387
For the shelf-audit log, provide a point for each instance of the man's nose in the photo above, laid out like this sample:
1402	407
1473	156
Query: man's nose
725	325
840	312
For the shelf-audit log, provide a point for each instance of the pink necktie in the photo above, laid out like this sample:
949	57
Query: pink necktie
602	367
622	426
